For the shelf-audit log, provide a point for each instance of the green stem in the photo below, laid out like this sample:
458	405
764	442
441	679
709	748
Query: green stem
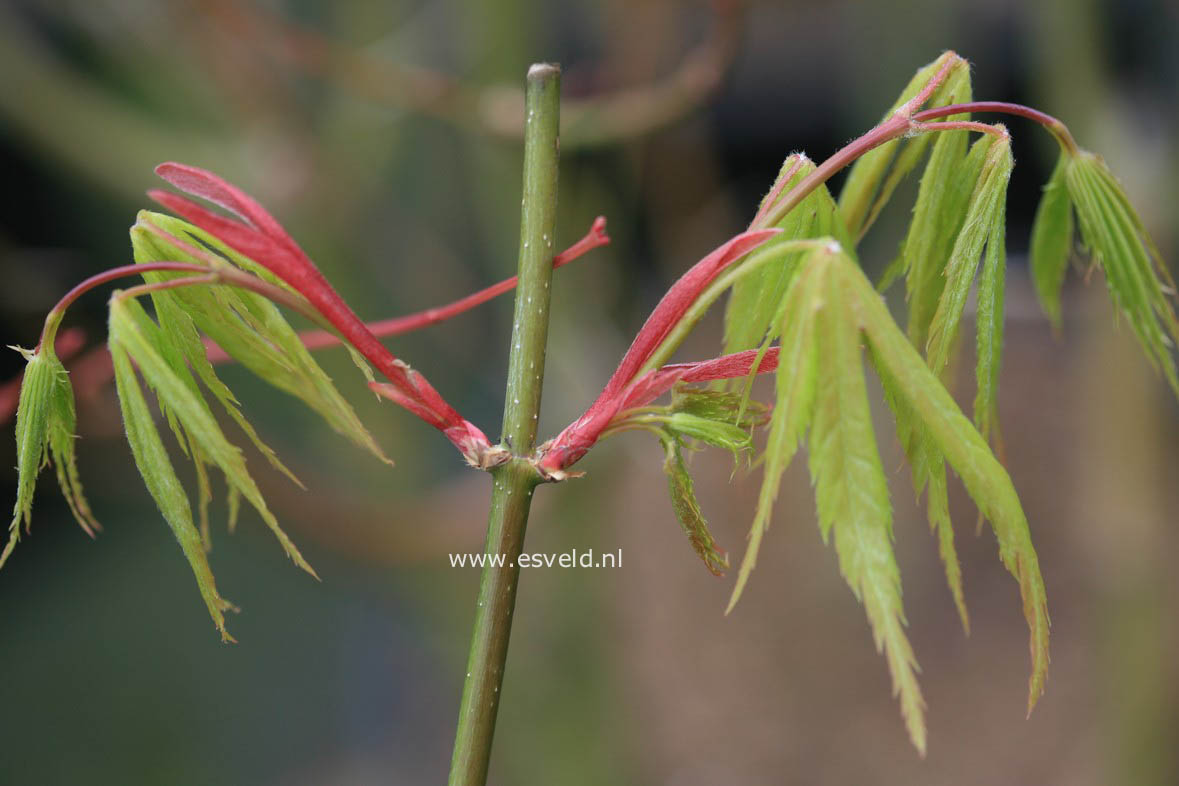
515	479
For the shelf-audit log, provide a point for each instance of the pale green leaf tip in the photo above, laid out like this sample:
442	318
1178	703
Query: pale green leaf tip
738	589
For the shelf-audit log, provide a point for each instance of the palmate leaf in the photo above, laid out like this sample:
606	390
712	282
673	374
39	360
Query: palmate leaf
755	298
831	310
247	326
946	187
1052	240
139	337
45	423
717	405
165	488
851	493
938	215
984	211
875	175
796	383
687	510
960	211
989	345
696	415
1138	280
967	453
928	469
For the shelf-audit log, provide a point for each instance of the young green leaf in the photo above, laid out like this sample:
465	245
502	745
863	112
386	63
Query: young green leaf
45	423
32	437
712	432
1138	280
248	327
133	332
946	186
687	510
928	469
985	210
182	331
718	405
851	491
796	383
756	297
870	181
966	451
160	478
955	89
1052	240
990	330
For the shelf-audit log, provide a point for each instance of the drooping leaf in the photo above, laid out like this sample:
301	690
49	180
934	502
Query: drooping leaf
178	323
851	492
966	451
986	208
869	182
687	510
928	469
990	330
248	327
946	186
955	89
1052	240
796	382
756	297
45	423
940	251
1138	280
132	330
32	438
160	478
62	427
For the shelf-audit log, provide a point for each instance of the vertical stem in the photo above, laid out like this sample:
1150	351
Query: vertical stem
516	479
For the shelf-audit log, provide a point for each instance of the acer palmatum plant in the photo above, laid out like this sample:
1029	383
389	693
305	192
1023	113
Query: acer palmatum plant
799	307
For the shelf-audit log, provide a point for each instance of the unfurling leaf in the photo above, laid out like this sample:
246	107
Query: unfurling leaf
247	326
928	469
687	510
967	453
756	296
32	438
717	433
990	330
45	423
796	383
1052	240
942	198
876	174
851	493
984	211
136	335
830	311
160	478
1138	280
717	405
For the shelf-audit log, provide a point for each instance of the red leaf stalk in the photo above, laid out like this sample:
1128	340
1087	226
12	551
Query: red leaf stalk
573	443
261	238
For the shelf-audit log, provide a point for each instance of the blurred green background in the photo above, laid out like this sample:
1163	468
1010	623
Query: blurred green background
404	186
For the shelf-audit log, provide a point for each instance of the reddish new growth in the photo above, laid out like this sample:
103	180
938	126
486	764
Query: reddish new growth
261	238
626	387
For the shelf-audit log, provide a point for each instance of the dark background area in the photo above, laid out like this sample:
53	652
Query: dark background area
111	670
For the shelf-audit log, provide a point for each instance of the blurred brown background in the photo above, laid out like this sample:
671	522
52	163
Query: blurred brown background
404	185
